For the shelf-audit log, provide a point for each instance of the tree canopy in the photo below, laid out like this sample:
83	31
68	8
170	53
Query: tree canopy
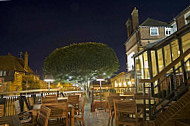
81	61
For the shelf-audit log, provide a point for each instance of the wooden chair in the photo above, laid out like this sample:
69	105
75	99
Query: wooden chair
59	111
80	114
50	96
25	116
74	100
1	110
111	106
123	110
43	116
49	100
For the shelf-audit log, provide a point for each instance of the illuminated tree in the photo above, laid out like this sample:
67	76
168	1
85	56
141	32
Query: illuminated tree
81	62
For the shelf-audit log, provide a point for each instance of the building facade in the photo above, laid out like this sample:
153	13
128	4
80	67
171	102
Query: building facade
158	55
16	75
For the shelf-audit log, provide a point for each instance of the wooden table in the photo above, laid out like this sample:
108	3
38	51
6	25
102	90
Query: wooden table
10	121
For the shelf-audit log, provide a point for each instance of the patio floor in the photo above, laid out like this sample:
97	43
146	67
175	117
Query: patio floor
97	118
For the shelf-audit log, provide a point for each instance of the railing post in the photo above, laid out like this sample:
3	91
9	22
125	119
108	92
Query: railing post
144	93
21	103
34	97
182	62
149	102
57	93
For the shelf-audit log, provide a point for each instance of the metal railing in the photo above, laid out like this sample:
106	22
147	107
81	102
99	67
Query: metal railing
27	98
170	87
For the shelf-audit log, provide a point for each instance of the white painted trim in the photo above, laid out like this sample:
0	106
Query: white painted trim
156	29
185	16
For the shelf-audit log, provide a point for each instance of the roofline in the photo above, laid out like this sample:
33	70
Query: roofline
188	7
131	35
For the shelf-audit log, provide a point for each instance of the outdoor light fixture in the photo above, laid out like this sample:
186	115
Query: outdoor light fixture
120	84
49	79
124	83
100	79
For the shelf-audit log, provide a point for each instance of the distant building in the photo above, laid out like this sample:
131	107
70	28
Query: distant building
156	56
148	33
15	73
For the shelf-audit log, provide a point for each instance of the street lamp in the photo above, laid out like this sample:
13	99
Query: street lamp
49	79
100	79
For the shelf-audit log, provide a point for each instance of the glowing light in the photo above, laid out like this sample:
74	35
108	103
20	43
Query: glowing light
124	83
129	83
119	84
116	85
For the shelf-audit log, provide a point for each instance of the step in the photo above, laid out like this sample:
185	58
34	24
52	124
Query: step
183	122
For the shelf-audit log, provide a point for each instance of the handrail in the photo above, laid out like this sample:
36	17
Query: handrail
28	91
38	91
165	70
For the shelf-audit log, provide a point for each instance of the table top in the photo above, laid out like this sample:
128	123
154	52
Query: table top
10	121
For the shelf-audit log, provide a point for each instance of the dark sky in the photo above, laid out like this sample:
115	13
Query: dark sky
40	26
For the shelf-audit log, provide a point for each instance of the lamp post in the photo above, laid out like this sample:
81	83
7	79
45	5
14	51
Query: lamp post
49	79
100	79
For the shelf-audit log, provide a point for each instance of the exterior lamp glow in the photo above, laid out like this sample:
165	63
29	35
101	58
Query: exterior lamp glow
49	79
124	83
119	84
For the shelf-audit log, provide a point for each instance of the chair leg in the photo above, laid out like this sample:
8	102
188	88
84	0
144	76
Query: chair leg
112	119
66	121
109	121
83	122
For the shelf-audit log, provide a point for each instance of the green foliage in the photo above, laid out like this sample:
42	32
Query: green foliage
81	61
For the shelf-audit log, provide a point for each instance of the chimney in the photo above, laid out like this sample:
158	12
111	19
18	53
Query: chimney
129	27
26	61
135	19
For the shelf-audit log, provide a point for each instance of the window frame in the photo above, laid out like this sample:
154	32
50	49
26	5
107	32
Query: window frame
168	29
185	16
156	30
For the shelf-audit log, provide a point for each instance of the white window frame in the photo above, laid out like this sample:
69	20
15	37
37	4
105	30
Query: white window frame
151	28
185	16
169	30
130	61
174	27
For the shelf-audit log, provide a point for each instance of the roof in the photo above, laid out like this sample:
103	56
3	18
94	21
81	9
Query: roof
153	22
10	62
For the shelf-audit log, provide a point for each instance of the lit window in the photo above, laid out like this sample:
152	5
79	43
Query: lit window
187	17
167	31
130	61
154	31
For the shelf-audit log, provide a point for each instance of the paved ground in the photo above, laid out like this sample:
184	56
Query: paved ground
97	118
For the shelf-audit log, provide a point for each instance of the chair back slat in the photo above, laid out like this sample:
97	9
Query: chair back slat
126	106
58	109
123	108
43	116
110	100
73	99
49	100
1	110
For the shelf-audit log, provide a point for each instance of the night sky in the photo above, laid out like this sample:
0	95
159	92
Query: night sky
40	26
